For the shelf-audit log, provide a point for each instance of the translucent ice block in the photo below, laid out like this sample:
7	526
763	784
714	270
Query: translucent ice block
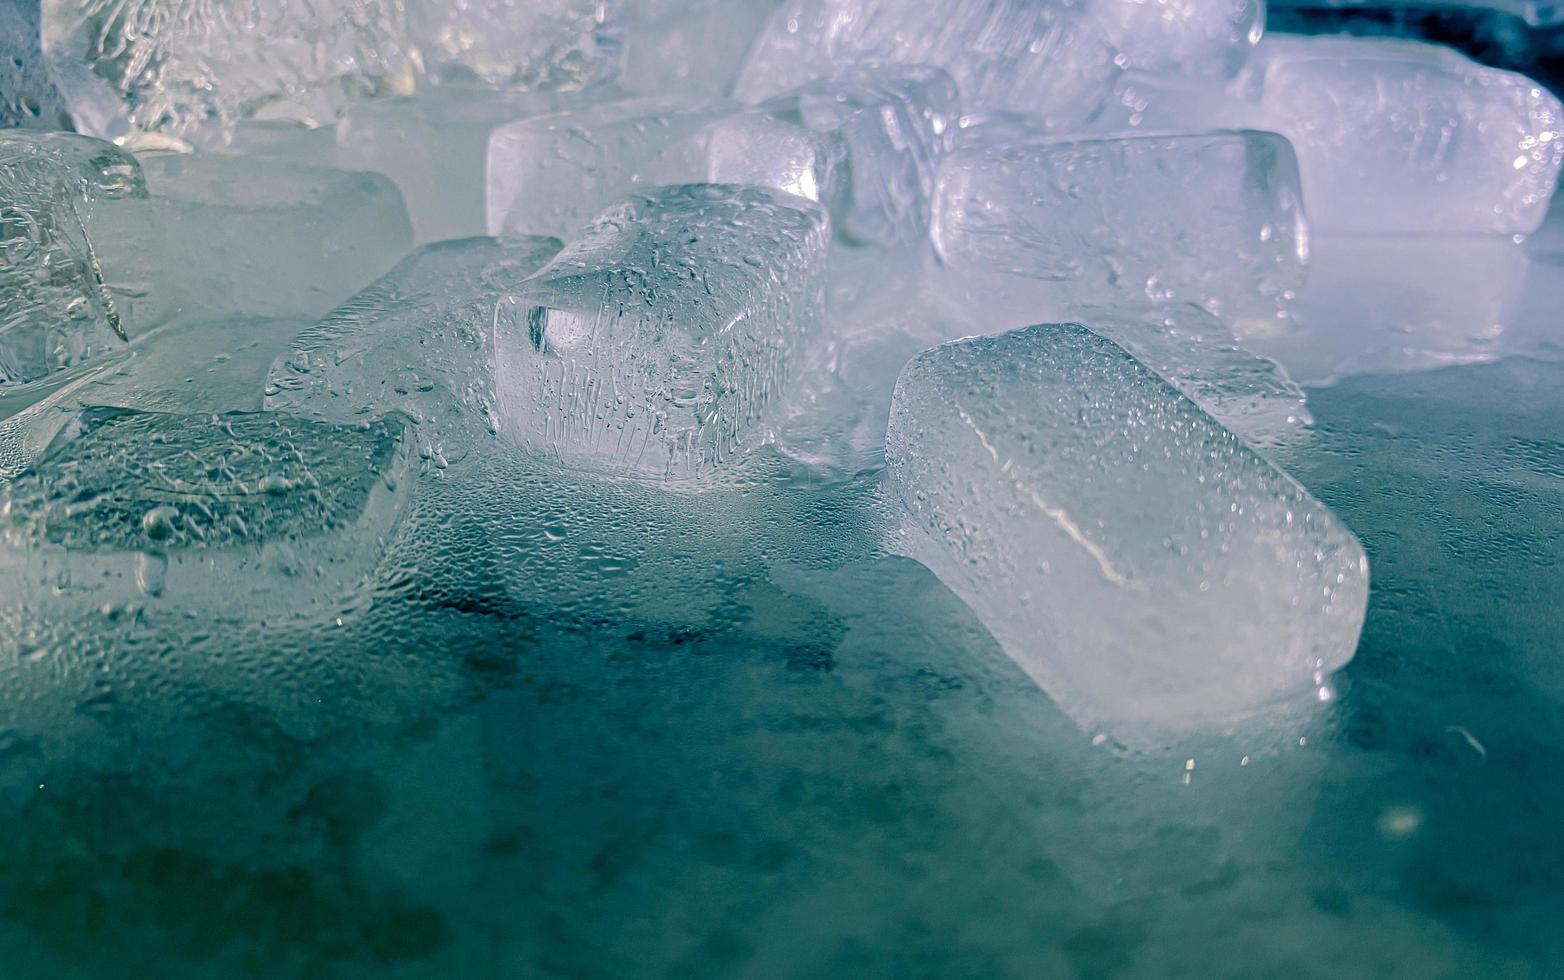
1201	38
656	341
224	235
1138	560
894	125
434	146
1045	58
762	150
418	342
56	309
552	175
258	515
1402	136
1214	219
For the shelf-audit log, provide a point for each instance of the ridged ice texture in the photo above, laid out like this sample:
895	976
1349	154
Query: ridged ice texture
1140	562
1045	58
655	343
128	507
554	174
1214	219
1403	136
530	43
1199	38
191	69
419	342
895	124
55	310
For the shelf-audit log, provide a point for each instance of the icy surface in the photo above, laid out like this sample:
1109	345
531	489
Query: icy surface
761	150
1047	59
1410	137
1214	219
655	342
55	308
419	342
528	43
28	98
552	175
691	46
1134	557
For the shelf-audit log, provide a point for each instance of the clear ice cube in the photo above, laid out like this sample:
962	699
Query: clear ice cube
552	175
1048	59
418	342
894	125
655	343
133	508
1402	136
762	150
1214	219
1145	566
56	309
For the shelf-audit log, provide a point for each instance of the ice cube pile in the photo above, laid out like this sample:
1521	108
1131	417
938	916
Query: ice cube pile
272	271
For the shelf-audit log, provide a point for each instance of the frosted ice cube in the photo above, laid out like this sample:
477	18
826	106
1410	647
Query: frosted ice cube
552	175
656	341
530	43
55	308
417	342
690	46
129	508
1402	136
224	235
1214	219
1048	59
1205	38
894	124
1139	561
434	146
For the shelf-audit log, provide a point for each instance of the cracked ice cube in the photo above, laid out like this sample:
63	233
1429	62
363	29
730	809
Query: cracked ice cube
1139	561
130	507
1214	219
55	308
1048	59
656	341
1403	136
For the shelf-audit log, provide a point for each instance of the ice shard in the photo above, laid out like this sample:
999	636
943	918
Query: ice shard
655	343
1214	219
1048	59
1146	567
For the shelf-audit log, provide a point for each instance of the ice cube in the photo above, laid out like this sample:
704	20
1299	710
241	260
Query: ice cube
133	508
221	235
55	307
529	43
1214	219
1201	38
552	175
656	341
1140	562
434	146
894	124
1401	136
694	47
1048	59
189	70
761	150
417	342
